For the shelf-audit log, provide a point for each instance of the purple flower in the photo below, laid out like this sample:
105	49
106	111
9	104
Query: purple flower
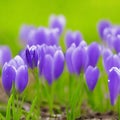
111	61
76	59
102	26
73	37
31	56
15	72
93	54
68	58
5	55
38	36
91	75
57	22
116	44
114	84
53	66
79	59
24	33
53	38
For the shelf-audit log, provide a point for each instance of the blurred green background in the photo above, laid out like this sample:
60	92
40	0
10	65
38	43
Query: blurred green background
81	15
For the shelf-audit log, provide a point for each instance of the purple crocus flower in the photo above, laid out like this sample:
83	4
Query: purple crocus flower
39	36
91	75
51	69
24	32
79	59
93	54
102	26
76	58
116	44
5	55
15	72
31	56
57	22
68	57
73	37
111	61
114	84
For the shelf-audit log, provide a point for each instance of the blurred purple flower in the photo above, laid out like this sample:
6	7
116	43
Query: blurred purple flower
92	76
57	22
93	54
116	44
111	61
24	33
114	84
5	55
15	72
73	37
102	26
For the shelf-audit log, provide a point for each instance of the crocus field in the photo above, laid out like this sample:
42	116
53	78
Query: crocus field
58	71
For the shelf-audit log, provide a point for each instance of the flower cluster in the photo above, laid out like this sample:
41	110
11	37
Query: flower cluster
42	51
110	34
15	74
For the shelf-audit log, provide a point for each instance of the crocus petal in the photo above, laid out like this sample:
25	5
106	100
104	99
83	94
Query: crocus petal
68	39
93	54
19	61
28	58
117	44
112	61
91	75
53	38
79	59
24	32
5	55
41	36
73	37
101	27
114	84
68	58
57	22
58	63
8	76
48	68
21	78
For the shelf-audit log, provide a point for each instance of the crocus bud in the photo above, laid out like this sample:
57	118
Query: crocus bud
32	56
68	57
91	75
102	26
57	22
112	61
5	55
58	60
93	54
24	33
21	84
79	59
73	37
114	84
48	68
15	72
8	76
116	44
